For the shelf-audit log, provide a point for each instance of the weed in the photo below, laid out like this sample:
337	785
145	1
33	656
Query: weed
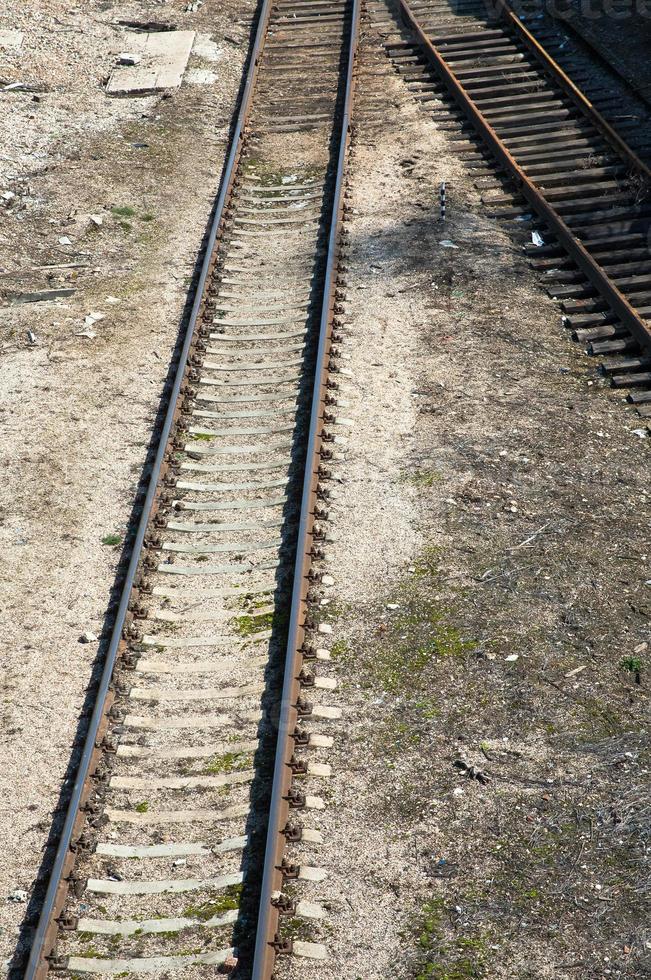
113	540
142	807
147	216
632	664
123	211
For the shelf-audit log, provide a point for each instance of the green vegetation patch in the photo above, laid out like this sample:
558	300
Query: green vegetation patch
444	956
225	902
112	540
230	762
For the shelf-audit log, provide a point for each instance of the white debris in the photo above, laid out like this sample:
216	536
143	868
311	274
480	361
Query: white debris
96	219
457	791
64	240
537	239
129	59
88	637
112	300
327	580
512	657
289	180
200	76
93	318
86	333
8	196
18	896
204	47
446	243
11	39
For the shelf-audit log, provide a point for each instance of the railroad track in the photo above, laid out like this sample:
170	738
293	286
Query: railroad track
589	192
211	721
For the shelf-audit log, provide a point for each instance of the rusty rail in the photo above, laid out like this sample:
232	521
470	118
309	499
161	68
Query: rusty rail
47	928
280	830
631	319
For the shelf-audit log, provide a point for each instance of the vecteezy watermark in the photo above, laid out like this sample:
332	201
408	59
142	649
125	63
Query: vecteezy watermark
589	10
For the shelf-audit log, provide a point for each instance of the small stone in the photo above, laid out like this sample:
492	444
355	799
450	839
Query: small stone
512	657
64	240
18	896
129	59
327	580
97	220
457	791
325	628
179	863
87	637
392	605
641	647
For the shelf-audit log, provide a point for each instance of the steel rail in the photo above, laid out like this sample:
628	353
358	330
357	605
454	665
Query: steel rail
272	879
629	316
46	931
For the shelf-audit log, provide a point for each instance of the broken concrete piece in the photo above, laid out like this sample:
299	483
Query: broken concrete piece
163	58
11	39
43	296
204	47
200	76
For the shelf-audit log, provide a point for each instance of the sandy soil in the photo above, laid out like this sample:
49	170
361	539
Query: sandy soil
77	411
488	811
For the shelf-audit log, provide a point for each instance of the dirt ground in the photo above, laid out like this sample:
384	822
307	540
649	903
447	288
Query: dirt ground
79	397
488	815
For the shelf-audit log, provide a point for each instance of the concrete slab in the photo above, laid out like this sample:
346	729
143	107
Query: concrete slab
163	57
11	39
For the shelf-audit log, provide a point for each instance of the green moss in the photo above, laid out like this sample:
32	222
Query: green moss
230	762
142	807
201	437
147	216
123	211
125	225
420	478
339	649
254	623
225	902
